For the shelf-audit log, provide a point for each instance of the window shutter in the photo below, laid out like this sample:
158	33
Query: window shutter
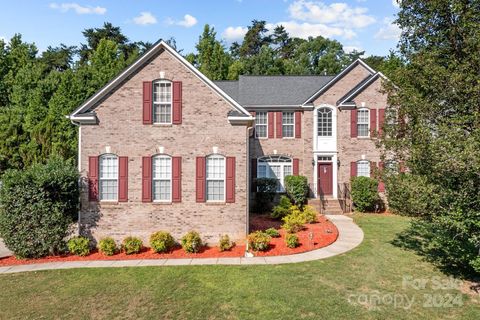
353	123
253	173
271	125
296	166
381	120
278	124
147	179
353	169
381	184
200	180
122	179
230	180
373	121
298	124
177	102
93	178
147	102
176	179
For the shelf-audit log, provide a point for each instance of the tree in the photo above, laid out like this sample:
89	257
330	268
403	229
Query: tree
255	38
58	58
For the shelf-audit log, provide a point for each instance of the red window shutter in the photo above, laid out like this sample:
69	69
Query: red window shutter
230	180
353	123
253	170
298	124
381	184
278	124
93	178
176	179
381	120
296	165
353	169
177	102
147	102
373	121
271	125
122	179
147	179
200	180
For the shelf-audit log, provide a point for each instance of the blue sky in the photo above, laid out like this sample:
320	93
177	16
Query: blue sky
361	24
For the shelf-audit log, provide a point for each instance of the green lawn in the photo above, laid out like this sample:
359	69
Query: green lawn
342	287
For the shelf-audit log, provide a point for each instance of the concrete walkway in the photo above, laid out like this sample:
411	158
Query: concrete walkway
350	236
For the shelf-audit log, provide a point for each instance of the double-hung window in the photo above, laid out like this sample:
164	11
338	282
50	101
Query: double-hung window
324	120
277	167
108	177
363	121
162	178
363	168
162	102
215	178
261	124
288	124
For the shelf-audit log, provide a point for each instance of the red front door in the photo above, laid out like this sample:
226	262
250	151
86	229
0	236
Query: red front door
325	179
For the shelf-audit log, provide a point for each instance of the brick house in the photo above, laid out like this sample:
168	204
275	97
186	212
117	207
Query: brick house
161	147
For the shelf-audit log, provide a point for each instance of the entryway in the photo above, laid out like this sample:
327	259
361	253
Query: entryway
325	178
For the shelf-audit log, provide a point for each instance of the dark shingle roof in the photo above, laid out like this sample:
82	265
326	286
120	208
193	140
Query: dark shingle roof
273	90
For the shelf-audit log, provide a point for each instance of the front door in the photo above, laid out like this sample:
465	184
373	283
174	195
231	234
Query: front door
325	179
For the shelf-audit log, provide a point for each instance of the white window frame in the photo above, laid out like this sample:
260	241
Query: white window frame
321	122
207	178
363	162
161	156
261	124
264	163
101	179
363	123
158	104
288	124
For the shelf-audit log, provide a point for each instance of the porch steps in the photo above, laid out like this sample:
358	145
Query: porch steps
326	205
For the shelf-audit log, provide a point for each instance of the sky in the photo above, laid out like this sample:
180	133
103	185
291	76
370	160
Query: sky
365	25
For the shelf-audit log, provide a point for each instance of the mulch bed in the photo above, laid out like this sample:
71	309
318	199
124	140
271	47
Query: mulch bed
314	236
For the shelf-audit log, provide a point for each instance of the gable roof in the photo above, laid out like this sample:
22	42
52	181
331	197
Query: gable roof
157	47
347	99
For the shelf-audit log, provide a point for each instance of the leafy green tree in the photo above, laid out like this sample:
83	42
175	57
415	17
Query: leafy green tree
58	58
255	38
211	59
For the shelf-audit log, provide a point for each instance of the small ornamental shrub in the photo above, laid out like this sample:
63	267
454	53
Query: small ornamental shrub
161	241
297	189
132	245
282	209
191	242
265	193
258	241
291	240
310	214
293	222
224	244
364	193
107	246
272	232
79	246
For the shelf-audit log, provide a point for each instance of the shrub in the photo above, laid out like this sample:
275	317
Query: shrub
293	222
107	246
364	193
272	232
291	240
224	243
258	241
132	245
282	209
161	241
266	191
191	242
37	206
310	214
297	189
79	246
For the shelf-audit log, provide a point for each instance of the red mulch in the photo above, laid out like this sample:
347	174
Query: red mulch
324	233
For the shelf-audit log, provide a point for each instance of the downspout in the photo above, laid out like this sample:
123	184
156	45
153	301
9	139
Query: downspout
247	227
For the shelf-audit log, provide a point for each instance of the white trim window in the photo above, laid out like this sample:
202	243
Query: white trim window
363	168
215	178
363	122
324	122
261	124
108	177
288	124
277	167
162	102
162	178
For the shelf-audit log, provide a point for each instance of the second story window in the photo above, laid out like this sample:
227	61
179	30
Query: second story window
288	124
363	168
215	178
162	102
162	178
261	124
108	177
363	122
324	122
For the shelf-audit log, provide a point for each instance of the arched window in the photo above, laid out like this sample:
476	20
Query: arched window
108	177
363	168
324	122
162	102
162	178
363	122
215	178
277	167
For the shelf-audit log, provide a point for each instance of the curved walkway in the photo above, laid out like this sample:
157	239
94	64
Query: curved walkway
350	236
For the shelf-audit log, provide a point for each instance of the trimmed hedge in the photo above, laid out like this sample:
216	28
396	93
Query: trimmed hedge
107	246
365	193
79	246
297	189
191	242
161	241
132	245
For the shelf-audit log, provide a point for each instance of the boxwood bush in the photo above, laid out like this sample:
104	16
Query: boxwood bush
161	241
297	189
191	242
79	246
365	193
132	245
225	244
258	241
282	209
107	246
291	240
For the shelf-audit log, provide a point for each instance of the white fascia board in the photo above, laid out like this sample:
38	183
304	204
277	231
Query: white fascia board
366	84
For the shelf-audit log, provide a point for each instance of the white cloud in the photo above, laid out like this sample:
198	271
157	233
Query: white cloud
396	3
64	7
145	18
187	22
305	30
389	30
350	49
234	33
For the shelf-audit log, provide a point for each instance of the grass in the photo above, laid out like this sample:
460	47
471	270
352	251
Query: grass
313	290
